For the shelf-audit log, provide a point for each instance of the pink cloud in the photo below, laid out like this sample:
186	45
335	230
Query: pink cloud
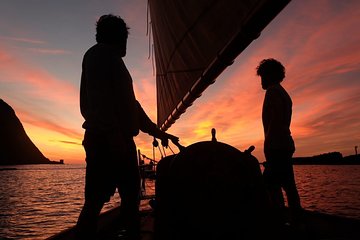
322	60
25	40
49	51
41	99
35	81
319	49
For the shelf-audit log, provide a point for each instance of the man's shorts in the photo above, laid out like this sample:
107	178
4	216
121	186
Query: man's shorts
110	163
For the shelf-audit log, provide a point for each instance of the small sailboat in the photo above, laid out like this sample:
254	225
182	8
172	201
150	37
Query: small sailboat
209	190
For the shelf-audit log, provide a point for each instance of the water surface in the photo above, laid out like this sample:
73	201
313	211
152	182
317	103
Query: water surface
37	201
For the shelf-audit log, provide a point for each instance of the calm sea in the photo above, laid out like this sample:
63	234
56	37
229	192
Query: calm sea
37	201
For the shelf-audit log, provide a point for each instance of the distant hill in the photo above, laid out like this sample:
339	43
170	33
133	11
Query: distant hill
331	158
15	145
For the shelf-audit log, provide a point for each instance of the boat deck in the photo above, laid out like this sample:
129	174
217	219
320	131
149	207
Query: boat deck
314	226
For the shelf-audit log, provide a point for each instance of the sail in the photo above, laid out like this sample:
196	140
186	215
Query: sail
195	40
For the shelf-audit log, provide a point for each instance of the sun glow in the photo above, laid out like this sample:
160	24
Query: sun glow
55	145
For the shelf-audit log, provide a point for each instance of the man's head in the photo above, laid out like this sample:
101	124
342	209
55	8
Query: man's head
271	72
111	29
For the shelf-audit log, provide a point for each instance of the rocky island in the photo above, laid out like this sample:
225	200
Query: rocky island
15	145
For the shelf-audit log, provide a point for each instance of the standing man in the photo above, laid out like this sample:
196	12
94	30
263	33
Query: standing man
113	117
279	146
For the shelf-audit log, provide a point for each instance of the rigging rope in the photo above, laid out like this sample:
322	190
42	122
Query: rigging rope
149	33
162	156
164	150
171	149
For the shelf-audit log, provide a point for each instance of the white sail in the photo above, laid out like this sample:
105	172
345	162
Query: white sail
195	40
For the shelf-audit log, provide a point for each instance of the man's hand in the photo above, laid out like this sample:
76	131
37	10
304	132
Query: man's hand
165	139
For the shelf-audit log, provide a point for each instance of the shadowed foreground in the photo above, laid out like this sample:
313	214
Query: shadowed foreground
200	202
315	225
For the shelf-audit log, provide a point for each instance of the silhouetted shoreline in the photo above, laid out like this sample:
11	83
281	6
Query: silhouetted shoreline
3	166
332	158
7	169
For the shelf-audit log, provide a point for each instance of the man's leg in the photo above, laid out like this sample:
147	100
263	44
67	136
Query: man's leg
86	227
129	189
293	198
273	176
95	192
277	202
273	185
291	190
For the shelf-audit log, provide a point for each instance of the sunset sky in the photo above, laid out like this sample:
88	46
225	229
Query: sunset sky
42	43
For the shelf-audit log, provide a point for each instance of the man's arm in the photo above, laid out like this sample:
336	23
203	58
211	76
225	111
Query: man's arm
147	126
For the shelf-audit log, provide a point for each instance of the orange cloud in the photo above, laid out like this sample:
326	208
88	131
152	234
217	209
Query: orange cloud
317	41
322	61
41	122
41	101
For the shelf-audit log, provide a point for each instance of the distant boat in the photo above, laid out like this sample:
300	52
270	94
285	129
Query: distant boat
209	188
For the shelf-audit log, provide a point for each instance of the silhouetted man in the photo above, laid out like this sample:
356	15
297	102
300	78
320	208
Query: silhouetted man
279	146
113	117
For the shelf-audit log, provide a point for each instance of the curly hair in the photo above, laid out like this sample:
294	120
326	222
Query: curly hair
272	68
111	29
